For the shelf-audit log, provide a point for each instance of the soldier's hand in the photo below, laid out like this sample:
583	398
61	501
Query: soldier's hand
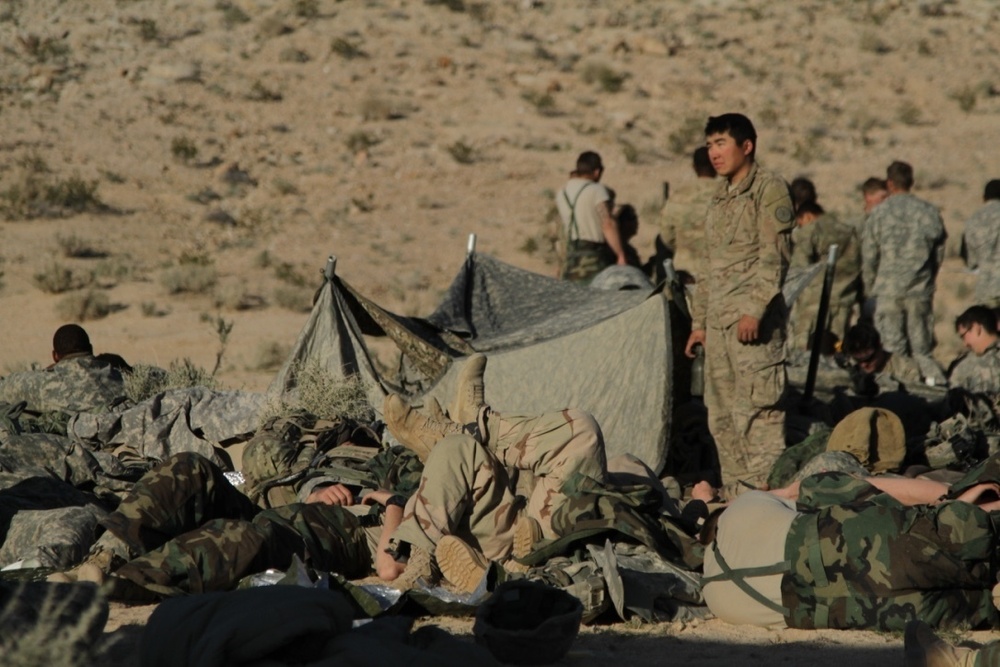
748	329
335	494
697	337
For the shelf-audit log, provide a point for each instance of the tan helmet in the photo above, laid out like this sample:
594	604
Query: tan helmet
875	436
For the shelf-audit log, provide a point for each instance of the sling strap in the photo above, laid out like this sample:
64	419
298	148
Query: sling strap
739	577
574	232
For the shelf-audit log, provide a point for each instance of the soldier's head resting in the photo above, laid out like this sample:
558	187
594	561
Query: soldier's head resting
732	143
899	177
808	212
977	327
863	345
802	190
589	166
874	192
702	164
70	339
992	190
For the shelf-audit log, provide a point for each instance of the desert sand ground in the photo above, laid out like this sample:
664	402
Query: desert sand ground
169	166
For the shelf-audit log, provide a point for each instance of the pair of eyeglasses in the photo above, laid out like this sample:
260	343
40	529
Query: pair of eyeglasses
867	359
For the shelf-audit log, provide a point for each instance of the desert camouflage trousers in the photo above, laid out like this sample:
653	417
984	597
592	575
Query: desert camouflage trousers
192	531
745	395
873	563
467	488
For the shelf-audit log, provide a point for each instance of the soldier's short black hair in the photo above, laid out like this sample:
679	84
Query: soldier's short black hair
588	162
809	207
982	315
802	190
735	125
900	174
701	162
873	184
71	339
862	337
992	190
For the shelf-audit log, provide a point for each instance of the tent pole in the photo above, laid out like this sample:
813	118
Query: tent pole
331	267
471	248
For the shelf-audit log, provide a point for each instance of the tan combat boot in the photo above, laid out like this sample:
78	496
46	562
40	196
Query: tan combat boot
925	649
470	392
462	565
420	567
415	431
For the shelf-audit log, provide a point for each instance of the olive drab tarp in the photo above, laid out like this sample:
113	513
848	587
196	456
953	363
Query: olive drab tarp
551	344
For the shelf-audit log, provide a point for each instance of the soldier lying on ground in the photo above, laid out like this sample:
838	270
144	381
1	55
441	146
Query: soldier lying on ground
844	551
186	529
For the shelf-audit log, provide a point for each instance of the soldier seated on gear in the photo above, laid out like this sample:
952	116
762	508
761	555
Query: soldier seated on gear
76	381
878	369
977	371
842	550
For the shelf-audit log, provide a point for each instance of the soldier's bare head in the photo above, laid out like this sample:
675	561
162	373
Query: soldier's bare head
732	142
70	339
702	163
899	177
808	212
874	192
589	165
977	327
864	345
802	190
992	190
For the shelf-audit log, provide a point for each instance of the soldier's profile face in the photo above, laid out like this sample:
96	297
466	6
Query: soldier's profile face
727	156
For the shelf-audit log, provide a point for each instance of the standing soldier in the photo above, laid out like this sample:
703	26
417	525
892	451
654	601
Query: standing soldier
902	250
739	312
981	243
592	241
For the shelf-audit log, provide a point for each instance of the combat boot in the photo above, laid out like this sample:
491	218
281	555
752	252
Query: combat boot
99	563
470	392
462	565
414	430
526	533
925	649
421	566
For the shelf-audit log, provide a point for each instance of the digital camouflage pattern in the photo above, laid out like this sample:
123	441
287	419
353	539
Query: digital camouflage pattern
747	237
683	216
191	532
982	251
77	383
861	560
811	244
467	489
978	373
902	250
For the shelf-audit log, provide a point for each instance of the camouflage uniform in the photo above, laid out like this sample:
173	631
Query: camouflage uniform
978	373
77	383
467	486
682	218
982	251
747	230
810	244
855	558
899	372
192	531
587	252
902	250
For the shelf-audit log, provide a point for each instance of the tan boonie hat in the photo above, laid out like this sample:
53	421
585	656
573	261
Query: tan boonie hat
875	436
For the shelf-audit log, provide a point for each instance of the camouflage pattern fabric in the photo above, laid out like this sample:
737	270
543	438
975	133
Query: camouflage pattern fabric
747	237
683	215
982	251
466	489
861	560
790	462
585	259
810	244
900	372
193	532
902	250
45	623
78	383
978	373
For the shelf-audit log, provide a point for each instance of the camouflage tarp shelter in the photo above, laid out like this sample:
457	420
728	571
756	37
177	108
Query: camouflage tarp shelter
551	344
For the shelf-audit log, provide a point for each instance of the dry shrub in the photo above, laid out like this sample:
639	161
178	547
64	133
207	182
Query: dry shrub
79	247
91	304
146	381
296	299
195	274
56	279
321	393
270	356
35	193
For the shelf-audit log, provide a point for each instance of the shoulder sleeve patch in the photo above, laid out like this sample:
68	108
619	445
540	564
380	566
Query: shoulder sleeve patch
783	214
